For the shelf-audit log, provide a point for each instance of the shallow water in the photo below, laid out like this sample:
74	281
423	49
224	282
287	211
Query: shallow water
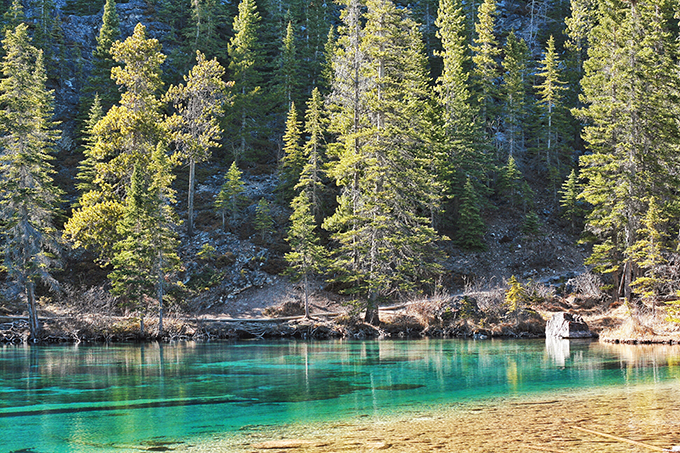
337	396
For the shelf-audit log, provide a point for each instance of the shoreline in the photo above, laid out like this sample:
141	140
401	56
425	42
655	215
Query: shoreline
91	329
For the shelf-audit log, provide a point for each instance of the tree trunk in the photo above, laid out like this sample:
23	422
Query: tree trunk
372	316
33	322
160	294
192	172
306	296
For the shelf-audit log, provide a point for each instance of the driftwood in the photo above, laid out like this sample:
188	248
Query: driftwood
531	447
620	439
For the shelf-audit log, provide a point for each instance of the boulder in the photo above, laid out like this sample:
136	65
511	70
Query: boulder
567	325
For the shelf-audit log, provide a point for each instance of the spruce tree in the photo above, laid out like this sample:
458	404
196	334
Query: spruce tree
485	51
314	38
510	183
100	80
630	90
385	244
306	256
463	143
148	250
126	137
87	170
551	107
289	69
202	34
470	232
245	66
329	50
531	225
569	202
578	27
293	158
515	91
228	201
649	251
13	17
312	175
28	196
194	127
264	223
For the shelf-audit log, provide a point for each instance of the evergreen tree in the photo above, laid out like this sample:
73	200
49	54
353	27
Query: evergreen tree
551	106
246	61
630	90
147	251
288	73
515	295
315	36
569	202
648	252
195	128
470	233
485	69
311	178
87	170
463	141
293	157
514	91
28	196
131	277
579	25
330	50
228	201
385	244
203	32
100	80
45	15
511	183
126	137
531	225
264	224
13	17
306	256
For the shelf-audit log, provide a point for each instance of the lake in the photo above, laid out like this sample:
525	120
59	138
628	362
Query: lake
338	396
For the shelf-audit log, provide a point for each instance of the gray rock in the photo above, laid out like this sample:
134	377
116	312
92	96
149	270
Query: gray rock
567	325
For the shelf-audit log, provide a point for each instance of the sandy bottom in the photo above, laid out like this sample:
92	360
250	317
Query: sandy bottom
641	418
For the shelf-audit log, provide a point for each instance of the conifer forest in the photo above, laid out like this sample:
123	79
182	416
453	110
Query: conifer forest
357	143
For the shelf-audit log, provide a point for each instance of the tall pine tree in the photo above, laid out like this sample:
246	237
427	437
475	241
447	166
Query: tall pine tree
386	245
28	196
195	127
630	90
245	66
126	136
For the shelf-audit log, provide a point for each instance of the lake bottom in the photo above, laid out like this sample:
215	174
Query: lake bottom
556	422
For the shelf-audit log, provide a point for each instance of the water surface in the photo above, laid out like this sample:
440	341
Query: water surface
188	396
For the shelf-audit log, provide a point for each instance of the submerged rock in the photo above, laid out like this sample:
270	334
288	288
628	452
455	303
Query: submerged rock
567	325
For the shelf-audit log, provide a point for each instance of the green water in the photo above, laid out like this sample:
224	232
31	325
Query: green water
137	398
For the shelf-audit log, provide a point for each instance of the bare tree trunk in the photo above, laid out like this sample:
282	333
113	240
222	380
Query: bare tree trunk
33	322
190	203
306	296
372	316
159	294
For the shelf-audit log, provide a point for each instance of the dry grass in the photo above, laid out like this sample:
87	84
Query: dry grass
644	325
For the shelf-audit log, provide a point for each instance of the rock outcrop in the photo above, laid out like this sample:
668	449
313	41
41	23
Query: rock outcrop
567	325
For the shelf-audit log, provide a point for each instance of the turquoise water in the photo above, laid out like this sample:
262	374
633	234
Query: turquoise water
142	397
